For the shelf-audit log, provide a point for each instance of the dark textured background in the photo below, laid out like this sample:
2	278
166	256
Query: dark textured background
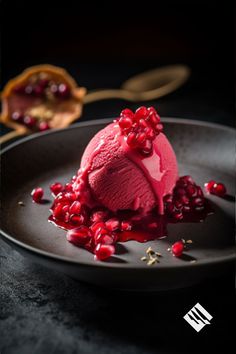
102	45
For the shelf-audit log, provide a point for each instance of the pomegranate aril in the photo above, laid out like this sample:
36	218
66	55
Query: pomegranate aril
186	209
76	219
105	239
209	186
56	188
113	224
19	89
110	239
153	119
199	192
99	215
177	248
43	83
125	123
187	179
127	113
143	124
70	196
170	208
63	91
126	226
75	207
97	226
179	191
17	117
38	91
141	137
197	202
183	199
151	110
29	121
219	189
65	197
191	191
140	113
150	133
168	198
177	215
65	208
60	210
54	89
103	252
29	89
158	128
37	194
61	198
147	147
43	126
153	116
68	187
79	236
131	140
182	184
178	204
102	231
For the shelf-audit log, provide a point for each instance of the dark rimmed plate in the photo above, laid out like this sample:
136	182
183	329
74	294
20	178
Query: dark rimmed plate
206	151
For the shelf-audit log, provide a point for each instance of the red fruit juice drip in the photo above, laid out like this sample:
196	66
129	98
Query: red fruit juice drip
144	228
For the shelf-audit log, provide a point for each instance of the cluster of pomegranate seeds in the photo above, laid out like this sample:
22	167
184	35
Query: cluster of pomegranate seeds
44	88
98	237
30	122
98	230
32	88
37	194
80	236
56	188
186	197
94	229
140	128
215	188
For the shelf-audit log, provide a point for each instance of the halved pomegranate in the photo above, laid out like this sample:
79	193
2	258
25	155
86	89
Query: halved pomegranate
41	98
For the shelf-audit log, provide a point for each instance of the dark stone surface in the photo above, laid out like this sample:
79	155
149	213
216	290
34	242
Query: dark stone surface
46	312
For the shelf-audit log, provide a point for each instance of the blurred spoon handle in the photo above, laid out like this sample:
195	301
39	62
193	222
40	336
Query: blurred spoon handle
106	94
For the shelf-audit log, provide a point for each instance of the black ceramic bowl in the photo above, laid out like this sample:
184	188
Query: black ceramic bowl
206	151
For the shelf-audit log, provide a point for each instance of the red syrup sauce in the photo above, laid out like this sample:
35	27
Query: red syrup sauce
135	227
144	233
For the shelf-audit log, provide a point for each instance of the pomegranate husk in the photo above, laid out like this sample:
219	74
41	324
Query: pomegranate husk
64	111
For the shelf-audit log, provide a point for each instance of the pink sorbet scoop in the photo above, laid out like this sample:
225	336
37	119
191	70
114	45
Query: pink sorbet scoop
124	170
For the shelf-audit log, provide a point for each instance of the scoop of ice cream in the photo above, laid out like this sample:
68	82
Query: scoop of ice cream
121	178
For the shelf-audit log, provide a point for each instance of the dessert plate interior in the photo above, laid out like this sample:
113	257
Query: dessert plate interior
206	151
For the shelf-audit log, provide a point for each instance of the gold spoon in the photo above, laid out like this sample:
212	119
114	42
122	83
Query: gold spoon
147	86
